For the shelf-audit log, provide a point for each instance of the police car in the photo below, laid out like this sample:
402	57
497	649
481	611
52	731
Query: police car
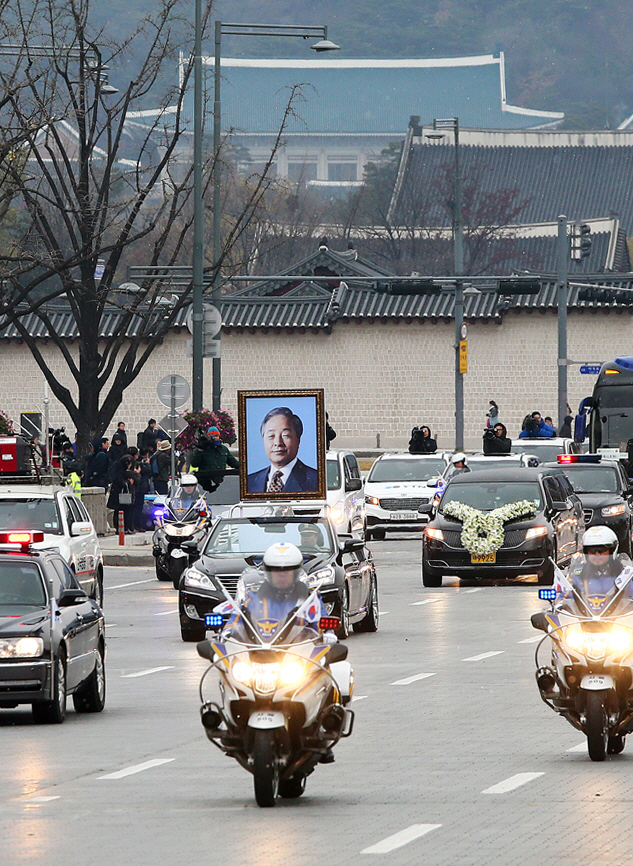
65	524
52	636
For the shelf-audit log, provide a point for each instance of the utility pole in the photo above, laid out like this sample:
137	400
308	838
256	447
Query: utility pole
562	272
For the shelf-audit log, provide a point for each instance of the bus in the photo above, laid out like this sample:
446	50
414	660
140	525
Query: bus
607	416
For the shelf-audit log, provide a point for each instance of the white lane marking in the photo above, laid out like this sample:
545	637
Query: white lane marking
134	583
399	839
111	624
383	613
581	747
512	783
138	768
408	680
479	588
483	656
40	799
359	698
532	639
426	601
166	612
149	671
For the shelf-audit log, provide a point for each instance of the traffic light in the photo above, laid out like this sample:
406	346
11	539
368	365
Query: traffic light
409	287
519	286
580	241
606	296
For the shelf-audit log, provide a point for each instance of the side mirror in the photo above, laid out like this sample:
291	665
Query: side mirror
352	544
336	653
205	650
426	508
539	621
81	527
353	484
559	506
432	482
69	597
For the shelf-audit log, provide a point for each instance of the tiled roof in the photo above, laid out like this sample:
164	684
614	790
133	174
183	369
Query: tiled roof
580	182
359	97
64	325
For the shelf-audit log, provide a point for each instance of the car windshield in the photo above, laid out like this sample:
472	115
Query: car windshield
544	450
246	537
333	475
406	470
487	495
593	479
21	587
30	514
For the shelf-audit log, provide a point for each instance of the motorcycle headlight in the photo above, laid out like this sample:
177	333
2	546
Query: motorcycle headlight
242	672
195	578
21	648
613	510
292	673
593	644
265	677
574	638
179	531
337	513
324	576
620	639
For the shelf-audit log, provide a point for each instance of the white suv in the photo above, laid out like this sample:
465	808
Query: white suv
66	525
345	495
396	487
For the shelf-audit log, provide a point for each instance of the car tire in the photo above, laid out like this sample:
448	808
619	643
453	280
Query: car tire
98	590
369	623
90	696
193	633
342	612
53	712
429	579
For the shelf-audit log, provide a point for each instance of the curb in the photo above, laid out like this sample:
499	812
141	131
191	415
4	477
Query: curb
142	560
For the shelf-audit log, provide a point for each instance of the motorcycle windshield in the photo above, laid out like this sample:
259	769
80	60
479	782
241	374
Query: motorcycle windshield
182	510
599	577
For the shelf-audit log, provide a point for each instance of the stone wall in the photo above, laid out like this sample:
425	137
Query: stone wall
380	379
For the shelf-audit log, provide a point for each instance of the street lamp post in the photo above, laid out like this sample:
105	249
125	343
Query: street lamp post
221	29
452	123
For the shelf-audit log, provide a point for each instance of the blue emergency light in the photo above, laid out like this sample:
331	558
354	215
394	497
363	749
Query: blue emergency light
547	594
213	620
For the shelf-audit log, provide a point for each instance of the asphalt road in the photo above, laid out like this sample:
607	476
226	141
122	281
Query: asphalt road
454	758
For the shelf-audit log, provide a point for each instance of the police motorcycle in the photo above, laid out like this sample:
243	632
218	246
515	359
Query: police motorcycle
585	661
180	519
284	685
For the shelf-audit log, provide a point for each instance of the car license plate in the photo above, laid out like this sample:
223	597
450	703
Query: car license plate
483	557
403	515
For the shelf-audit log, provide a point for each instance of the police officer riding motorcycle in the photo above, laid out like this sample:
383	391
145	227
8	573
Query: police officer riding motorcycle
180	519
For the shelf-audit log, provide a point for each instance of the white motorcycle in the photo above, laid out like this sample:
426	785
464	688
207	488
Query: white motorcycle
588	677
283	696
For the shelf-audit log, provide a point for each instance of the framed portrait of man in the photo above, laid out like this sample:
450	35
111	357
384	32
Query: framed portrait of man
282	444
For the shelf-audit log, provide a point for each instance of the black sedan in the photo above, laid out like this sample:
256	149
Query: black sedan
604	491
52	636
552	532
341	564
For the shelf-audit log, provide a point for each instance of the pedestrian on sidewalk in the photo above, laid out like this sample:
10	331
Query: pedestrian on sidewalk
122	490
492	415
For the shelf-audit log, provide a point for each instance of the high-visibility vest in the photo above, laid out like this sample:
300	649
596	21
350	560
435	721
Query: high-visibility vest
73	480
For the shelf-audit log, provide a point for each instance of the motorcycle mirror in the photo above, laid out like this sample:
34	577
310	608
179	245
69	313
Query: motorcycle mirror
539	621
205	650
336	653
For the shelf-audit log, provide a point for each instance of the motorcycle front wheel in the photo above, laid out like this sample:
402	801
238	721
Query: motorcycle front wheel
596	726
265	772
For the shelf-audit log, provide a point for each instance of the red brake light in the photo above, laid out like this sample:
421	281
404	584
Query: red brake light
329	623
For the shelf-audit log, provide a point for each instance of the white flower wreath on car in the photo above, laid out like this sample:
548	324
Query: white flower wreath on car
483	532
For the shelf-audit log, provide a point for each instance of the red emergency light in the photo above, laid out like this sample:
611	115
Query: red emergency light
329	623
22	539
579	458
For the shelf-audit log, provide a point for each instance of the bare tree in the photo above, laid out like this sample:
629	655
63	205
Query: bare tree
100	179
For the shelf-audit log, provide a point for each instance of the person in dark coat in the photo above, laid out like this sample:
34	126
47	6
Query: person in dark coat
496	440
421	441
330	432
97	466
149	436
115	452
124	483
161	467
144	471
120	431
210	459
565	430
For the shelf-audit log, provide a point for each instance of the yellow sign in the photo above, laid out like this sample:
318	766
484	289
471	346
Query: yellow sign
463	356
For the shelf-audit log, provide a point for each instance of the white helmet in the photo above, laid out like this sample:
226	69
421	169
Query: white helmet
283	557
188	480
600	536
460	457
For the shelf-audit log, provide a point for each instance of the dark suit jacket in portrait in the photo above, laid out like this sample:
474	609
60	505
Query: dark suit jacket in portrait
302	479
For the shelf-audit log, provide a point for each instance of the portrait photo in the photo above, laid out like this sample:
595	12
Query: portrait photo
282	444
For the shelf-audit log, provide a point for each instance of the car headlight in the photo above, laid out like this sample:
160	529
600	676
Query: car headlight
613	510
195	578
21	648
536	532
324	576
179	531
372	500
337	513
436	534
